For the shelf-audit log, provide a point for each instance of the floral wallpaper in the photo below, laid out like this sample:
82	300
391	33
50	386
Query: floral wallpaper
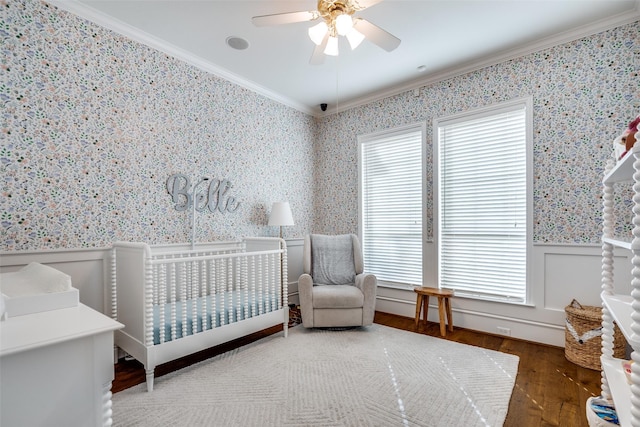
94	124
584	95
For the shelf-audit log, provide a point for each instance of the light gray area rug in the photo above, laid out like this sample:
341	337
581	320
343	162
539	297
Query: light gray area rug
374	376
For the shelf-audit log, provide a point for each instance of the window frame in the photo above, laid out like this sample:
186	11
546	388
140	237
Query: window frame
388	133
494	109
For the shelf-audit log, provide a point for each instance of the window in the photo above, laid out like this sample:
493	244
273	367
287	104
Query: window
391	194
482	171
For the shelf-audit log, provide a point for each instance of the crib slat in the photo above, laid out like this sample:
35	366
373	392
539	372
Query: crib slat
222	278
195	293
237	288
254	286
148	301
245	289
284	278
172	285
230	288
213	292
155	284
267	283
114	286
260	287
203	295
272	282
183	296
163	300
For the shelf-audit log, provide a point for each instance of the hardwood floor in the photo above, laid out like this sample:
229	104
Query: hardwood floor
549	390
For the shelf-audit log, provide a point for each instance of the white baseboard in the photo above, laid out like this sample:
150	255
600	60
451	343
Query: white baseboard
539	332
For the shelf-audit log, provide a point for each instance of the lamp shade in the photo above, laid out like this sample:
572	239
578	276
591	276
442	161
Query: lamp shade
281	214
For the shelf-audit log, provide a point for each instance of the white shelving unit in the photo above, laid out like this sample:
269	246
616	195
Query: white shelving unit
621	308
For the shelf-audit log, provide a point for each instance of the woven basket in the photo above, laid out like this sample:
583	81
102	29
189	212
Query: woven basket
583	340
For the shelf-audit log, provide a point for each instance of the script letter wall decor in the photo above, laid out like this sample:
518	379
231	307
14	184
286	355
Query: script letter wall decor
181	191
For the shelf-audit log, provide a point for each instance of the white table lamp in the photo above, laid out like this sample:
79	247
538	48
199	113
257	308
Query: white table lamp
281	215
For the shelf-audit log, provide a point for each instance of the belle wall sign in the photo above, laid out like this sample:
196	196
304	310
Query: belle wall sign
215	198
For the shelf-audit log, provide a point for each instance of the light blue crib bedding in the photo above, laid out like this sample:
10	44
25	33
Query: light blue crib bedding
232	307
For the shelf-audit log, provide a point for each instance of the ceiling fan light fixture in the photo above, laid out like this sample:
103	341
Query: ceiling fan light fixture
317	32
332	46
354	37
344	24
338	19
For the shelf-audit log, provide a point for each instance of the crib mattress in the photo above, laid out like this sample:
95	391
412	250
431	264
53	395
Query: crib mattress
211	312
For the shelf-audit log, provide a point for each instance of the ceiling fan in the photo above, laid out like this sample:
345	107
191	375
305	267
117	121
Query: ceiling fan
337	20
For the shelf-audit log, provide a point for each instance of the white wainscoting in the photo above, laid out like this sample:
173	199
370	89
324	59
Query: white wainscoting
88	268
560	273
294	270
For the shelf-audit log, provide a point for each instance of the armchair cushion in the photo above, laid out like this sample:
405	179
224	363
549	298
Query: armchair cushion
332	259
337	296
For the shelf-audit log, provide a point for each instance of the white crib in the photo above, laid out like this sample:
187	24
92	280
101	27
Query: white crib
175	301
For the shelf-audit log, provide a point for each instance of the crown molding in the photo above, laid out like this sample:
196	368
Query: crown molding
122	28
461	69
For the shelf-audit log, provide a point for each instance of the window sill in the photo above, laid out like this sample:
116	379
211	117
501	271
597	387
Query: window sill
401	286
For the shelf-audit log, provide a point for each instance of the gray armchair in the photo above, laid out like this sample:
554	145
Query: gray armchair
334	291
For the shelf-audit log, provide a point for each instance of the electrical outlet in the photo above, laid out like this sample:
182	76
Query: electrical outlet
504	331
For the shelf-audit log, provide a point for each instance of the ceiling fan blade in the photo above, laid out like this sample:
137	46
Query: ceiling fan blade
284	18
376	35
363	4
318	55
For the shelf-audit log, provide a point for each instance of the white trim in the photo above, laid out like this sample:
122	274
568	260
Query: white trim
570	245
497	108
500	57
520	328
122	28
487	110
475	313
12	258
560	274
396	131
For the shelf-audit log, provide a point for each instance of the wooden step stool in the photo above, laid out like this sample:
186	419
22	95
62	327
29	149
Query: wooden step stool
444	306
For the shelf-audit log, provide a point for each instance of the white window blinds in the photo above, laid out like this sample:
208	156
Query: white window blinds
482	194
391	175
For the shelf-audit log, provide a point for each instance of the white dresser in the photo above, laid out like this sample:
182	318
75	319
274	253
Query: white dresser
56	368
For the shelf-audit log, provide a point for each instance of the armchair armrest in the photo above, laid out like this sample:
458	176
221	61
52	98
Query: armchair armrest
305	294
368	284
